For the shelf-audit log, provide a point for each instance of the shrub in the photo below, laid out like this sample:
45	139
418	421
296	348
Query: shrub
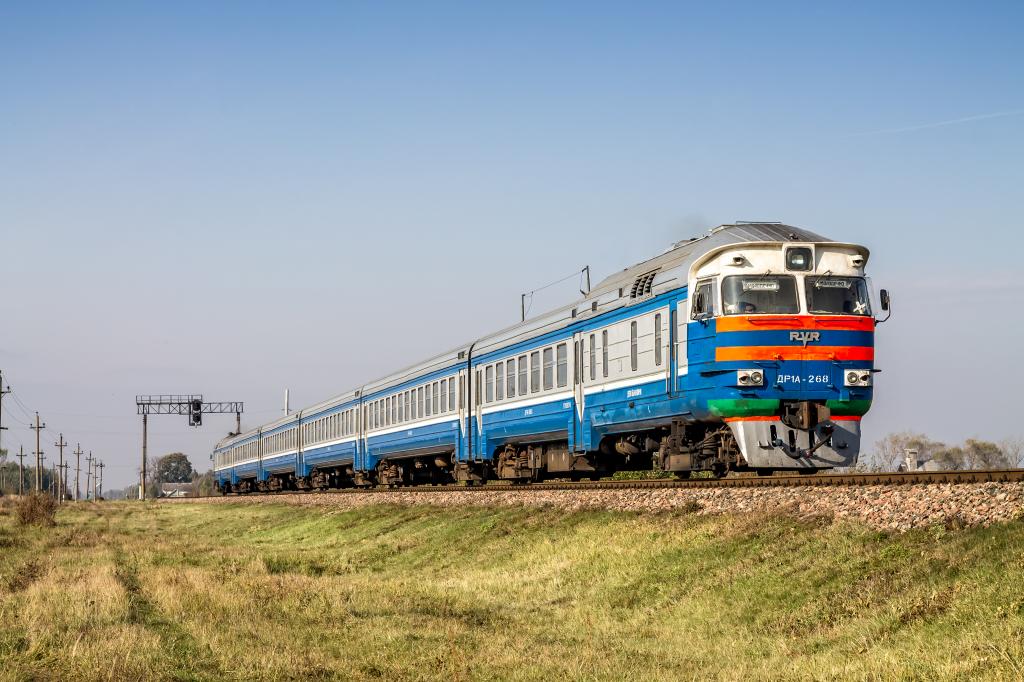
36	509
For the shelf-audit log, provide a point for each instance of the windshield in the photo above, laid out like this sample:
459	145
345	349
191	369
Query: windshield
837	296
752	294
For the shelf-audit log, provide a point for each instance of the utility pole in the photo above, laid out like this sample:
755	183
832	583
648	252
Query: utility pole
64	480
3	392
21	470
101	465
39	454
88	473
78	467
60	445
95	472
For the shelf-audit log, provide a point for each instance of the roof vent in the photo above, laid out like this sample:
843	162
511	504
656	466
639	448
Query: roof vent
642	285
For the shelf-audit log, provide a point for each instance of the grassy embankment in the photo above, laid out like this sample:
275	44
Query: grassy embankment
120	590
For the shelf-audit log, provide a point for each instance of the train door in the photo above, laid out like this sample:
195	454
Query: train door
463	409
579	432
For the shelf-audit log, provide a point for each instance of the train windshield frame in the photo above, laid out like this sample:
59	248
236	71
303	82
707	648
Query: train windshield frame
760	295
832	295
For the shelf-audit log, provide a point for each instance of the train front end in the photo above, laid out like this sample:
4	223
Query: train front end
781	350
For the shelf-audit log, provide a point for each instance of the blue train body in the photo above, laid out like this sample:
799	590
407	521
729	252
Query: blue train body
751	348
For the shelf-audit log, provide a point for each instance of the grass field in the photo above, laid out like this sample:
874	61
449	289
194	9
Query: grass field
181	591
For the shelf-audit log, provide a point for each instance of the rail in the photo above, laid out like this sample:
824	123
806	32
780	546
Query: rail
894	478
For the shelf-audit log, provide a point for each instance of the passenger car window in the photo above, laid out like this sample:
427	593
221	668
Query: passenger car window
562	355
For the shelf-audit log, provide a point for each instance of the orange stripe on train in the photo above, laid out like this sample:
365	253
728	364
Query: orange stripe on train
731	353
748	323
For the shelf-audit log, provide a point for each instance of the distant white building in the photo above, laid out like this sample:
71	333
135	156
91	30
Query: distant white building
913	461
175	490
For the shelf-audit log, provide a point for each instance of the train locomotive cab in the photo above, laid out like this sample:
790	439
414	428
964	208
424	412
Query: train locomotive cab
780	349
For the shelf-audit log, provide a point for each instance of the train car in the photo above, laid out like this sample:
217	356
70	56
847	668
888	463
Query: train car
750	348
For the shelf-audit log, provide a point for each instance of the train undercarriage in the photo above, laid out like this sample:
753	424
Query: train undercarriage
682	448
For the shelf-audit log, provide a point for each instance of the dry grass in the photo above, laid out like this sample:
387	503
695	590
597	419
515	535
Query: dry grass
124	591
36	509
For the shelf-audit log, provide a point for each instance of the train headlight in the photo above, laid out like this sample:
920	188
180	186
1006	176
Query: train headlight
857	377
750	377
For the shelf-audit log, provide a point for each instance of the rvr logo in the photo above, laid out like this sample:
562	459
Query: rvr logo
805	337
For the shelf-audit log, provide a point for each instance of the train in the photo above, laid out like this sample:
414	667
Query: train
749	348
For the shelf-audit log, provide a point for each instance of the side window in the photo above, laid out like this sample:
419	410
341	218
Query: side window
632	345
427	402
444	395
437	399
451	394
419	402
523	383
604	352
489	389
593	357
510	370
657	339
401	408
549	368
535	371
562	356
703	301
499	385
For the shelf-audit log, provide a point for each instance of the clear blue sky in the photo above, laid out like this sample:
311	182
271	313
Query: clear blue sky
232	198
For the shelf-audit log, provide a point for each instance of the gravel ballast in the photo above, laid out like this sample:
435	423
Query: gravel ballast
882	507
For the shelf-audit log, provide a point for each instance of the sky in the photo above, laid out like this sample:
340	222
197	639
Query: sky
237	198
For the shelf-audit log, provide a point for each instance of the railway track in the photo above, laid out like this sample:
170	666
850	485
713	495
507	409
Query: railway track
896	478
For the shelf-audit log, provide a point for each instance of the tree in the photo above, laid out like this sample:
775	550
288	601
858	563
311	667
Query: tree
174	468
891	451
982	454
1013	448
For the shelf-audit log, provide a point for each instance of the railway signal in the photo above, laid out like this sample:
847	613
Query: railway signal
191	405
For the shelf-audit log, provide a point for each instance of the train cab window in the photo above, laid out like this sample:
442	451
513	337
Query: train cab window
510	376
757	294
837	296
489	384
657	340
549	368
604	352
632	345
535	371
703	305
562	357
499	384
523	383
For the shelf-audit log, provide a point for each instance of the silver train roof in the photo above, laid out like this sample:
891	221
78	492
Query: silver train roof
663	272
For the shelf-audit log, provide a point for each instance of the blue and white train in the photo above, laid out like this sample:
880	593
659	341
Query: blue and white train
750	348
